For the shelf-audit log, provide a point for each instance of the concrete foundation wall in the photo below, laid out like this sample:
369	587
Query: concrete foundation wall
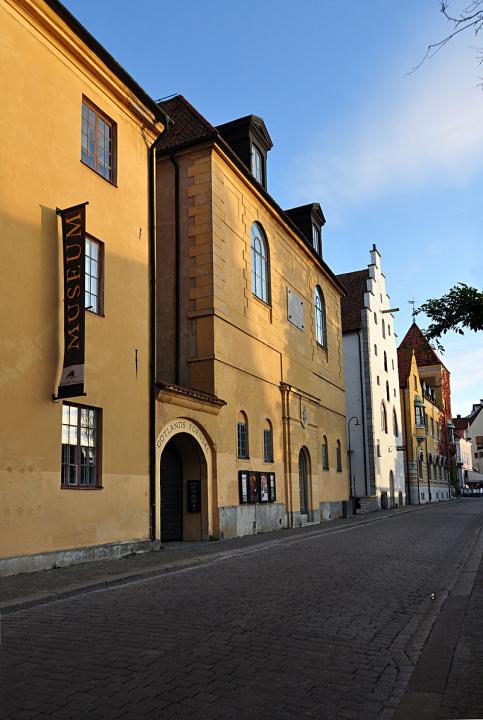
238	520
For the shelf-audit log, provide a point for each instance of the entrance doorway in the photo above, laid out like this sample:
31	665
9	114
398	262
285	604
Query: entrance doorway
171	494
183	496
304	482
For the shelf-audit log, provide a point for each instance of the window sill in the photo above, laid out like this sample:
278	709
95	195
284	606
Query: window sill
93	312
111	182
81	487
264	303
242	458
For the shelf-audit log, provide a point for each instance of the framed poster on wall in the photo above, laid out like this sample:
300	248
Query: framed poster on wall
243	486
253	489
194	496
271	487
263	487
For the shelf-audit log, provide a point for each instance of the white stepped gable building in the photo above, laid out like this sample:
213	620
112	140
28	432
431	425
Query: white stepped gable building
373	407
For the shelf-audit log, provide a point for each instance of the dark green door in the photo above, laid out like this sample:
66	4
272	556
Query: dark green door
171	494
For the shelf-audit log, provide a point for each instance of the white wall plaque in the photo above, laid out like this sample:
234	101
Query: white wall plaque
295	309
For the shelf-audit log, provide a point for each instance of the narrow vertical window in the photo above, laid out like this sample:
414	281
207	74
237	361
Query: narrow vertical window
242	436
325	454
257	164
383	418
80	446
268	442
316	239
260	269
395	428
320	322
385	361
388	394
338	457
98	138
383	329
94	287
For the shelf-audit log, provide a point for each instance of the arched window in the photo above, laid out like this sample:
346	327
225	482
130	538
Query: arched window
388	394
395	428
268	442
383	329
320	327
260	266
385	361
242	436
338	457
383	418
325	454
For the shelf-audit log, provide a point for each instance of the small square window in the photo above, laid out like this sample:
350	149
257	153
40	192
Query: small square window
98	141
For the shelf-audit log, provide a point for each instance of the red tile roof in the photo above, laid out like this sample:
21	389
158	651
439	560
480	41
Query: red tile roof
415	340
351	305
404	359
188	127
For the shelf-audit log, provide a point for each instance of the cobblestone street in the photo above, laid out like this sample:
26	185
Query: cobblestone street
316	625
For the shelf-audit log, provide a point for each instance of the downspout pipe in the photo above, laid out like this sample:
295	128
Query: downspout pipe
406	438
363	414
152	320
177	301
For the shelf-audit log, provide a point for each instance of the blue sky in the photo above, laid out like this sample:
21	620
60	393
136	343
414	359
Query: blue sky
393	158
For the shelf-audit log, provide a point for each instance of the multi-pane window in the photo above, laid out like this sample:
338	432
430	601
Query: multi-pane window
338	457
420	419
432	426
320	324
325	454
97	141
260	280
242	436
257	164
316	239
80	446
267	442
94	287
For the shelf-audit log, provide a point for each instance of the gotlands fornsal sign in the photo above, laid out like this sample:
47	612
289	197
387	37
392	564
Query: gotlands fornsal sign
74	247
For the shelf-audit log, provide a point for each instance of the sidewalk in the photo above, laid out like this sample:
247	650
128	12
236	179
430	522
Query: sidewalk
19	592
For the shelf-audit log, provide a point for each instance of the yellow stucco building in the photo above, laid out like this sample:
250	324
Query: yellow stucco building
426	418
250	415
75	128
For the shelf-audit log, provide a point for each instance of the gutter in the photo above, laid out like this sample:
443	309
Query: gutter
108	60
152	328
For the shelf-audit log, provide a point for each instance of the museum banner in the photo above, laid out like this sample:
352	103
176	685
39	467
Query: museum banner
74	249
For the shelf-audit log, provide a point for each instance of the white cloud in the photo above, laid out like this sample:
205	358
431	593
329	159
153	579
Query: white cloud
417	129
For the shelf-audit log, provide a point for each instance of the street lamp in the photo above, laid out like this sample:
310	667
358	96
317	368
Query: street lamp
350	451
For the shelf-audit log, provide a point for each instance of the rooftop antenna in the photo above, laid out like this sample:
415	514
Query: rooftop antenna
413	303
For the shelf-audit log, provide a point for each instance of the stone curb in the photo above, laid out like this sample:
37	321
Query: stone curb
112	581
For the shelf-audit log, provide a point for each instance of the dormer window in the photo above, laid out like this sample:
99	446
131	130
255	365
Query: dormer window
248	137
316	240
257	164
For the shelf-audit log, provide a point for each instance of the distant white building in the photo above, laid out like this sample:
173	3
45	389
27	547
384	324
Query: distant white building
472	424
464	463
373	408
